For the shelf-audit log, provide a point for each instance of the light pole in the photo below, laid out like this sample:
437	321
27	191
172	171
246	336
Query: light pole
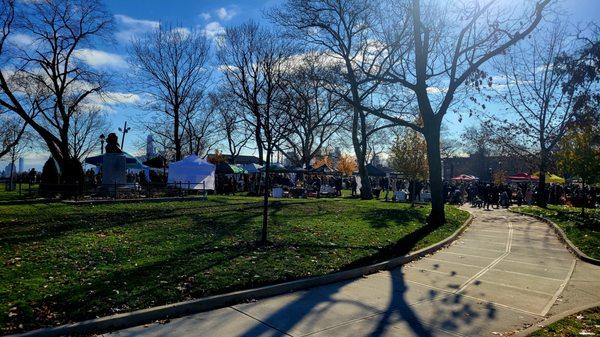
102	138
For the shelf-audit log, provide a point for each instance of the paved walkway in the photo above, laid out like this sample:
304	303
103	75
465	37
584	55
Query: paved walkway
505	273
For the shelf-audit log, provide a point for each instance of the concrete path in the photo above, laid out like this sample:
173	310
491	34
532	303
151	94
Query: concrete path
505	273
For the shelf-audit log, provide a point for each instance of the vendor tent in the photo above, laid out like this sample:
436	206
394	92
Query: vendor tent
194	172
275	168
551	178
251	168
132	162
224	168
323	169
522	177
374	171
157	162
465	178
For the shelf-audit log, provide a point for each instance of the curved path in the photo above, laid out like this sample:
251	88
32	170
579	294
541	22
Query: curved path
504	274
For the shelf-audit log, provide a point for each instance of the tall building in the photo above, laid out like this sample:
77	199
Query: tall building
7	170
21	165
150	152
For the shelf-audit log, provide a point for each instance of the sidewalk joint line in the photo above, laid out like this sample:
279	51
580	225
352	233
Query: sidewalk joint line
260	321
560	289
492	264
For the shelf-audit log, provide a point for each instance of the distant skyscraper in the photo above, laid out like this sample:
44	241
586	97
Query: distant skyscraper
21	165
150	152
7	170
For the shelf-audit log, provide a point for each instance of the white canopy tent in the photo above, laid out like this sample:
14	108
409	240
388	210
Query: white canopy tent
194	172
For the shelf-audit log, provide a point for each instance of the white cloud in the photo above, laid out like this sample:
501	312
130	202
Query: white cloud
114	97
109	100
21	40
99	58
130	27
226	14
132	22
206	16
436	90
182	31
213	30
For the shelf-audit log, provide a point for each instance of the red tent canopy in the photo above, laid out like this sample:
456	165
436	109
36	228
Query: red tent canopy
465	177
522	177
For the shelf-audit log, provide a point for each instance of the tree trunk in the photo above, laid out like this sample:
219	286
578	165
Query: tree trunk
437	216
366	192
176	140
12	167
413	193
259	146
263	236
542	200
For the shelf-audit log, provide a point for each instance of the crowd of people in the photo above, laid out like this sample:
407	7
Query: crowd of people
486	194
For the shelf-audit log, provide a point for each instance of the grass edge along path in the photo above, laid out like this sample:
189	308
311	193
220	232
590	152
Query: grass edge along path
580	231
584	323
62	263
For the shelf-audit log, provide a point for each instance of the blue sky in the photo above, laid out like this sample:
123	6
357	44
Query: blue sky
136	16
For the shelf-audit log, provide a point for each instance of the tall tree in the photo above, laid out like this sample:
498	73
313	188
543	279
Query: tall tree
541	110
8	138
170	67
579	153
86	126
42	81
429	50
408	155
339	29
254	61
232	126
314	112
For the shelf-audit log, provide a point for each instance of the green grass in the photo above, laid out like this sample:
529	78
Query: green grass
7	196
584	322
63	263
583	231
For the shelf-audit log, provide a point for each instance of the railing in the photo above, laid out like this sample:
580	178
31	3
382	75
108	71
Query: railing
87	190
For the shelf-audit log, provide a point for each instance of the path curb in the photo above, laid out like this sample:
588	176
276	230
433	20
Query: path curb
563	237
553	319
169	311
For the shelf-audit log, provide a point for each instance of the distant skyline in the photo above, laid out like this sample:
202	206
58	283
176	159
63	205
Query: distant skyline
211	17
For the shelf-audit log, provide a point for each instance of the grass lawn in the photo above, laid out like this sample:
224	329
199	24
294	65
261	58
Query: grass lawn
586	323
62	263
584	232
6	196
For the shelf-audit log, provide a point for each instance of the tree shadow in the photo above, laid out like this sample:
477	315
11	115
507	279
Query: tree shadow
336	310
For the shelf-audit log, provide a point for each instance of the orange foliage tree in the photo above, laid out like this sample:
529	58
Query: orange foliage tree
347	165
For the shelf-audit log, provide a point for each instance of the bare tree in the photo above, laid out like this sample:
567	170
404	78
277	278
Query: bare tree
87	125
340	30
232	125
540	111
170	68
315	113
254	61
429	50
9	139
14	134
43	82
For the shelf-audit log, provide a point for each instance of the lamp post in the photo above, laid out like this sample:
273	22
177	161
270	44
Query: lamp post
102	138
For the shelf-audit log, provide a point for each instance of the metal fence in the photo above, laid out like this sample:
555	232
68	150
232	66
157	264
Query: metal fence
78	191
